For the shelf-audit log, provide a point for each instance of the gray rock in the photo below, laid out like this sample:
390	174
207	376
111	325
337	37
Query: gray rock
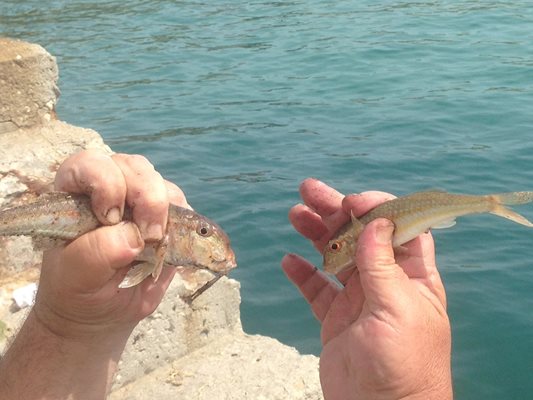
28	83
177	328
29	159
233	367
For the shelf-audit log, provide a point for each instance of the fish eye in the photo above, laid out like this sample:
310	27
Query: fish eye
335	246
204	230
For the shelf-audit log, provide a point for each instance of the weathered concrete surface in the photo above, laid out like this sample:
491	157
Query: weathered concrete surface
177	328
28	84
28	161
233	367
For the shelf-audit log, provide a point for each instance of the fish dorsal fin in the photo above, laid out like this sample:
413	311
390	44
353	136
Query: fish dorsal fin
448	223
357	225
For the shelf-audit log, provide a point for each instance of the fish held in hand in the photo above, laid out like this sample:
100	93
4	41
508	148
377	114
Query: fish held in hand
192	240
415	214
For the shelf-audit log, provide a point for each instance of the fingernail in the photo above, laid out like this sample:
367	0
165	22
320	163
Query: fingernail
132	234
152	232
113	216
384	231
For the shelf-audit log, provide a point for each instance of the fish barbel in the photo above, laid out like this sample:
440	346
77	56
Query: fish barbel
417	213
192	240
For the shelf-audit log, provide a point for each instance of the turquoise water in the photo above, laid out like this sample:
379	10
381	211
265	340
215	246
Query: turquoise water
237	102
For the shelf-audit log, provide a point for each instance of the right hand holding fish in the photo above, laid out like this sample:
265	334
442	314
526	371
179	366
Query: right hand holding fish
385	334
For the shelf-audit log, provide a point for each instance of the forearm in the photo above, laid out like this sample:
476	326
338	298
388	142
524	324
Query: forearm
42	365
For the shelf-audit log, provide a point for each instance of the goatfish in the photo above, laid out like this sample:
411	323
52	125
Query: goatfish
191	241
415	214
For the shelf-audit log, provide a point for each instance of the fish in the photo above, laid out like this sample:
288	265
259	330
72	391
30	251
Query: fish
192	240
415	214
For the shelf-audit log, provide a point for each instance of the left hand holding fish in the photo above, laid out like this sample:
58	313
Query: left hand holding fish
385	334
79	281
74	335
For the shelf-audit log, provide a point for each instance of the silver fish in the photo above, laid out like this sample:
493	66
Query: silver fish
192	240
417	213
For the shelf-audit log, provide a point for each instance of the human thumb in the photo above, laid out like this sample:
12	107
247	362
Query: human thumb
88	262
381	278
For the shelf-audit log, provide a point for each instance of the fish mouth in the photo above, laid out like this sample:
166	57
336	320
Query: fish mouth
219	267
335	269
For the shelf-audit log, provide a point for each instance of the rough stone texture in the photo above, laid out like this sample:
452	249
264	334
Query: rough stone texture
233	367
177	328
28	161
28	83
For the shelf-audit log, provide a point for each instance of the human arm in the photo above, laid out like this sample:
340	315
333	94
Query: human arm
385	333
70	344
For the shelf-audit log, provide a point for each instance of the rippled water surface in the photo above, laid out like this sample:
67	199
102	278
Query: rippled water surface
238	101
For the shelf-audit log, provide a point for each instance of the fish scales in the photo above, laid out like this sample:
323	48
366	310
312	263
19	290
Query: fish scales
54	216
416	213
192	239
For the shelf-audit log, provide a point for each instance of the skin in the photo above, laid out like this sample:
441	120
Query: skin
385	331
385	335
74	335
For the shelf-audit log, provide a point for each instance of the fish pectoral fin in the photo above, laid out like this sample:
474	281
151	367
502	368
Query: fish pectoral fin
448	223
159	261
137	274
510	214
401	251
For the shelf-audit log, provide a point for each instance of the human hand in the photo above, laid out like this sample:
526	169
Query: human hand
78	293
385	334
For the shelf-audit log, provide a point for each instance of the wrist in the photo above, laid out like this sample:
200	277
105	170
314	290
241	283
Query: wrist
441	390
79	330
60	366
439	394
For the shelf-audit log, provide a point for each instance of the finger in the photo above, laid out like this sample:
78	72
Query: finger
417	259
344	311
146	195
360	204
327	203
94	173
152	292
176	195
381	278
93	259
315	286
344	276
320	197
307	222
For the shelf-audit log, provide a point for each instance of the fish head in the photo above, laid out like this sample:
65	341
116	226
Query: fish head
339	255
339	252
201	243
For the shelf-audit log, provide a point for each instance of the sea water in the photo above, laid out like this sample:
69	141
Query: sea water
238	101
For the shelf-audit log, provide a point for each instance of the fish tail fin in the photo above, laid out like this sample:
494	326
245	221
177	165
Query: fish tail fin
513	198
500	200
